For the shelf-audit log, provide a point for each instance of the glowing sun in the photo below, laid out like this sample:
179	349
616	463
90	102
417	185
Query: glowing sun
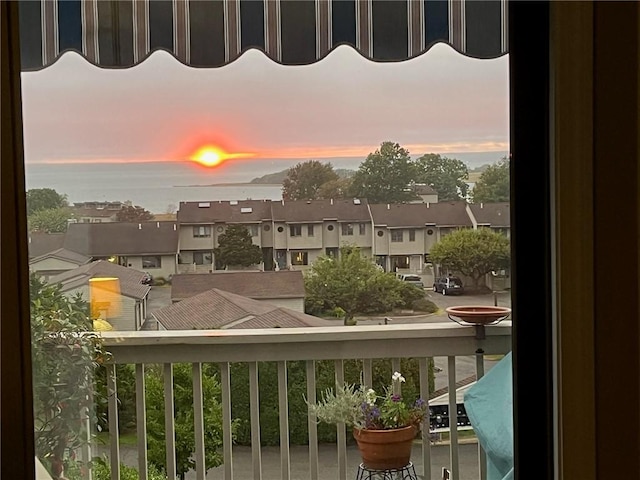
211	156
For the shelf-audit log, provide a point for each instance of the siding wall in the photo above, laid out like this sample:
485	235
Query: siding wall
168	266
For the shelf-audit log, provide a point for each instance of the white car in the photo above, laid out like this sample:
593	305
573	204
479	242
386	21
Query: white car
412	279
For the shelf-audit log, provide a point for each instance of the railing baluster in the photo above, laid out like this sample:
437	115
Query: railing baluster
254	403
341	431
198	420
312	421
453	419
367	369
283	407
227	434
395	365
426	441
169	421
114	440
141	422
482	458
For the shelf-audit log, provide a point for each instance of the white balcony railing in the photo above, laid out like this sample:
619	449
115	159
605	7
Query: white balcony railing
366	343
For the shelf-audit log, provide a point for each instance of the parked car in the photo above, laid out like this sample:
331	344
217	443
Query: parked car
448	286
412	279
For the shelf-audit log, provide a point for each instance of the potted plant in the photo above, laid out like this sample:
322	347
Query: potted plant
384	426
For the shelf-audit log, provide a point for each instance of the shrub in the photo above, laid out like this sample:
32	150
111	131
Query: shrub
424	305
409	293
159	281
100	470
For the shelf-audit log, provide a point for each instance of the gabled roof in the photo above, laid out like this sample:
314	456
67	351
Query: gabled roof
218	309
130	279
41	243
342	210
63	254
122	238
417	215
242	211
255	285
492	214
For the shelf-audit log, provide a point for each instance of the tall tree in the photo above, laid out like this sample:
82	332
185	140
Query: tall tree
352	282
385	176
235	247
447	176
472	253
304	179
493	184
184	420
129	213
50	220
44	199
339	188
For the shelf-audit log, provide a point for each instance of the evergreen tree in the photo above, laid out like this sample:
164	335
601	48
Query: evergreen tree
235	247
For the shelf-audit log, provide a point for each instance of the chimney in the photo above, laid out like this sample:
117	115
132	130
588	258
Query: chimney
283	202
332	201
427	204
158	224
139	226
174	227
482	205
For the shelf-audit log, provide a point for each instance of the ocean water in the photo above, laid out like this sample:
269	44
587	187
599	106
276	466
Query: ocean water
158	185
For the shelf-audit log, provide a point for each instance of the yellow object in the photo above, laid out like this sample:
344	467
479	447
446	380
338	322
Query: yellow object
105	298
100	325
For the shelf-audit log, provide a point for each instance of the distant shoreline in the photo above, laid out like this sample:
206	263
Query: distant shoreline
231	184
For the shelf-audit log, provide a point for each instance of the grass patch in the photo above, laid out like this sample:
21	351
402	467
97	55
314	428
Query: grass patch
125	438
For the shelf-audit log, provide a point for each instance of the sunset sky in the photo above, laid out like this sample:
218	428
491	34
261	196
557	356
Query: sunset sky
341	106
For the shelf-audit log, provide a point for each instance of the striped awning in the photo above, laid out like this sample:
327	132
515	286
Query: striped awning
212	33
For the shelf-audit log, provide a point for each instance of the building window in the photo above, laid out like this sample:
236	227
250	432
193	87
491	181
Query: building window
202	231
202	258
412	235
330	228
295	230
299	258
253	229
430	232
310	230
380	233
280	229
267	228
347	229
397	236
152	261
363	228
332	252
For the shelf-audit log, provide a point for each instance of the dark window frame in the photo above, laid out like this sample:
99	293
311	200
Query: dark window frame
397	236
157	263
295	230
206	229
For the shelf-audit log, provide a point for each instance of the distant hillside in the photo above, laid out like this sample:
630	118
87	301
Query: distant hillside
278	177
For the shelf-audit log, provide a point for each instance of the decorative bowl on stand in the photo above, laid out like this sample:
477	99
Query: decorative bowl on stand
478	315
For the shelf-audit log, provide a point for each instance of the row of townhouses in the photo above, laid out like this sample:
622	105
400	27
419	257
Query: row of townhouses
291	234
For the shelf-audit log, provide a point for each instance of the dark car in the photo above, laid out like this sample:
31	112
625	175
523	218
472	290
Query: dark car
448	286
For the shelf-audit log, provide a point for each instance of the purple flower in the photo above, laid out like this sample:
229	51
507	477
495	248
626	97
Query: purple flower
396	398
420	403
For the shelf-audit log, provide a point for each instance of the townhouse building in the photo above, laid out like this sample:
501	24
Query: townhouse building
293	234
96	212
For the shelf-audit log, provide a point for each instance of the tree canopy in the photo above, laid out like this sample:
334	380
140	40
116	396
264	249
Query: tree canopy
130	213
353	283
305	179
44	199
472	253
493	184
235	247
50	220
447	176
385	176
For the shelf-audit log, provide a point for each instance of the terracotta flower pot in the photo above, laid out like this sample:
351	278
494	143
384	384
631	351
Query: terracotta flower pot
385	449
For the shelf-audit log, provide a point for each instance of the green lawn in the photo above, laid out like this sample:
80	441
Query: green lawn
125	438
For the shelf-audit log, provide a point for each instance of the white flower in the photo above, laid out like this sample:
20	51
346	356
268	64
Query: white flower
371	397
397	377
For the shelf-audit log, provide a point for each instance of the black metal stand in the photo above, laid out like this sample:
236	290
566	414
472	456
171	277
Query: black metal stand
408	472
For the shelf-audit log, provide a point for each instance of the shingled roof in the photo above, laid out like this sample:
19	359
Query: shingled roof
122	238
417	215
495	215
218	309
63	254
255	285
301	211
42	243
242	211
130	279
